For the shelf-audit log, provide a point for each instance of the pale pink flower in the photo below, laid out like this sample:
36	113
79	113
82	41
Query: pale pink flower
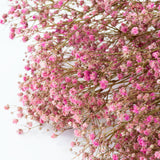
20	131
52	58
24	38
75	27
157	154
73	144
6	107
125	49
129	63
54	135
96	143
15	121
77	133
91	37
92	136
134	31
11	35
103	84
29	124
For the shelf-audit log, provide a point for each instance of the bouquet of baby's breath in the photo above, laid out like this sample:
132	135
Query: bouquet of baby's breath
93	66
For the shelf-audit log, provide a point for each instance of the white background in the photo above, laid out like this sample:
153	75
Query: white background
35	145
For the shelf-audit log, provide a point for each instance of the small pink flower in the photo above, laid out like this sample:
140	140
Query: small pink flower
149	119
127	117
129	63
138	69
103	84
125	49
25	11
157	154
123	91
52	58
91	37
92	136
20	115
159	142
35	27
20	131
15	121
115	157
142	158
138	86
41	121
135	109
155	54
150	5
72	91
6	107
147	132
60	3
112	108
73	144
37	37
67	79
30	48
24	38
96	143
77	133
75	27
93	76
138	58
12	35
29	124
53	135
124	28
134	31
1	21
74	81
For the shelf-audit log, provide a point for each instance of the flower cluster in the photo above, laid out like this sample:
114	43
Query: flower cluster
94	66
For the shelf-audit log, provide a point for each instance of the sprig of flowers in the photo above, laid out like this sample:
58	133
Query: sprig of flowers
93	66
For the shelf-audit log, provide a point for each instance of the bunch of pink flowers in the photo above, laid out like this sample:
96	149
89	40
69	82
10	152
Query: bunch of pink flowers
93	66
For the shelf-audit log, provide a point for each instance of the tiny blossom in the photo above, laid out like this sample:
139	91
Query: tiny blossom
1	21
91	37
20	131
12	35
53	135
157	154
73	144
103	84
75	27
92	136
25	39
125	49
96	143
134	31
77	133
15	121
52	58
20	115
6	107
124	28
115	157
155	55
29	124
